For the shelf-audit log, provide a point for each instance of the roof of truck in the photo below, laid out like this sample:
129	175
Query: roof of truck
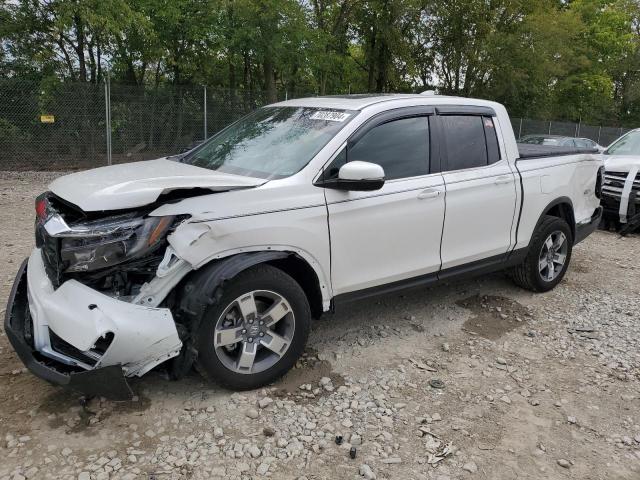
360	101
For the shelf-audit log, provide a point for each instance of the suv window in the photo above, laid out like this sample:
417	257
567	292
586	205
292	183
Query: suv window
628	144
470	140
584	143
400	147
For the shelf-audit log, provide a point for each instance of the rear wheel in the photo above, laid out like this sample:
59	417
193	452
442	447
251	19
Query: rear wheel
548	258
256	330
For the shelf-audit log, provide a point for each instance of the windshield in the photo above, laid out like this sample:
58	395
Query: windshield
626	145
272	142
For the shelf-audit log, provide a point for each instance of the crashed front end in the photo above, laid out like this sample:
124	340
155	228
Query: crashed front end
84	311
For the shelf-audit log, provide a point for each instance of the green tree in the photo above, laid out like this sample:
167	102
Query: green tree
69	37
383	28
329	22
546	58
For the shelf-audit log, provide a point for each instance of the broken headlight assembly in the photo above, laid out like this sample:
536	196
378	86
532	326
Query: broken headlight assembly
97	244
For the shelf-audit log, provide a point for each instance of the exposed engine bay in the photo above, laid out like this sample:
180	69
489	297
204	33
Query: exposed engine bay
114	253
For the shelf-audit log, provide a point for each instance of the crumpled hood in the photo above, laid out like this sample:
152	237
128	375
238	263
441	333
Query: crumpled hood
621	163
137	184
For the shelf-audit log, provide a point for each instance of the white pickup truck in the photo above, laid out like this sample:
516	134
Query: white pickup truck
224	254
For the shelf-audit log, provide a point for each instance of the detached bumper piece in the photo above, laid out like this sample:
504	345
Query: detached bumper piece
108	382
583	230
633	214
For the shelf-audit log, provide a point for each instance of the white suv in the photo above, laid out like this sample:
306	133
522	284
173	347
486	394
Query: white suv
223	255
621	188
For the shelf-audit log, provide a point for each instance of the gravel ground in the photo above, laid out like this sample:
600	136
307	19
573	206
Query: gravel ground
534	386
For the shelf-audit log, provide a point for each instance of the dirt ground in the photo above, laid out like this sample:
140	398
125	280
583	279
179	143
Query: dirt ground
534	386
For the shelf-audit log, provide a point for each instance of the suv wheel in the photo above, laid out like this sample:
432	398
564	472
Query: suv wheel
548	257
256	330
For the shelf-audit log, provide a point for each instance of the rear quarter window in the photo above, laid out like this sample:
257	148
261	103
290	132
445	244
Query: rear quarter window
493	148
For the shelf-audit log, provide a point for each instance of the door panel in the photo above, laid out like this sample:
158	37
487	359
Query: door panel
481	206
385	236
481	190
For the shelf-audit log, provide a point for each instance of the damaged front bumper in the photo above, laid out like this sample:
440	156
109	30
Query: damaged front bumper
77	337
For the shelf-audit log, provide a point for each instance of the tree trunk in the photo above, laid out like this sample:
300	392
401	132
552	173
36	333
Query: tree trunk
143	73
99	59
152	119
246	80
370	58
233	81
246	72
269	80
130	74
180	121
381	81
67	59
92	63
292	84
79	48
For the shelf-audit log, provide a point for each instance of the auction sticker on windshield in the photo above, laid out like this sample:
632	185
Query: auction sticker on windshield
331	115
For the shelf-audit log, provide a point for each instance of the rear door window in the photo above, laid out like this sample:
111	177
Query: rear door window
465	142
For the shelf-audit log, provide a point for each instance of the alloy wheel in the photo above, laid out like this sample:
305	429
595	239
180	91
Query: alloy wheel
553	256
254	332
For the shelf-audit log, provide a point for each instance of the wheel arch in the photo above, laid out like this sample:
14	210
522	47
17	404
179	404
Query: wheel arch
561	207
200	286
303	273
200	289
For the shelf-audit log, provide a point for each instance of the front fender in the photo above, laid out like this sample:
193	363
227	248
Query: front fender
302	232
199	290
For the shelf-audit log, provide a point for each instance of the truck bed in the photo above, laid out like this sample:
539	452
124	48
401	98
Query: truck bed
528	150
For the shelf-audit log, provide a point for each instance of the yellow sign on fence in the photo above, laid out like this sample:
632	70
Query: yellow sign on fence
47	119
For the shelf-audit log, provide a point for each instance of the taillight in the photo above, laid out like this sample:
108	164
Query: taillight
599	182
41	208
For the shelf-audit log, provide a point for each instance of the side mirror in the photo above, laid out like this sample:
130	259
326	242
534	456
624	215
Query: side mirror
357	176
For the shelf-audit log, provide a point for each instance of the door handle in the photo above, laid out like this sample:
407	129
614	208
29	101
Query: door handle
428	193
502	179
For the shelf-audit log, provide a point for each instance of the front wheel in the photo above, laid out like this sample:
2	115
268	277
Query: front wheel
548	257
256	330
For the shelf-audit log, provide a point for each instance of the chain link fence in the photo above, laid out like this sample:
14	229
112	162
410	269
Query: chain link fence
65	126
51	127
600	134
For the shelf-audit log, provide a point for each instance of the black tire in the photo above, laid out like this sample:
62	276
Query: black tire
260	277
527	275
